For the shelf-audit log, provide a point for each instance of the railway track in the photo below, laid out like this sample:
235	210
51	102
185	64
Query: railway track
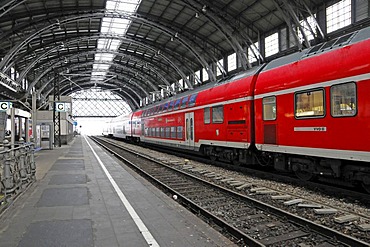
247	220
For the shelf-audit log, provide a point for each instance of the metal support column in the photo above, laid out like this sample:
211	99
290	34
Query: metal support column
56	115
34	116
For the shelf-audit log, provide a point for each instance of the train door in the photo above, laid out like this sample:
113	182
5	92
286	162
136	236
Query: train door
189	129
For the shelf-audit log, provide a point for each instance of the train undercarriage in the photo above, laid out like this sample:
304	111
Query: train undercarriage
307	168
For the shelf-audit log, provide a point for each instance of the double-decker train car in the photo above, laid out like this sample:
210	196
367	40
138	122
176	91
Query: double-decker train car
315	106
307	113
207	119
119	127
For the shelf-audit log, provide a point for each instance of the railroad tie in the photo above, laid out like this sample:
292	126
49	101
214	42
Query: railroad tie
246	185
346	218
293	202
325	211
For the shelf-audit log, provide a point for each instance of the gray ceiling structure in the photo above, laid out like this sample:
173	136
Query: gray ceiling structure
54	42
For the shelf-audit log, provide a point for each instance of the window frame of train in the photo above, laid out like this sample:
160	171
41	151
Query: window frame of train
269	107
192	100
334	99
167	132
177	104
218	114
163	134
309	93
207	115
184	102
171	104
165	108
173	132
179	132
162	108
157	132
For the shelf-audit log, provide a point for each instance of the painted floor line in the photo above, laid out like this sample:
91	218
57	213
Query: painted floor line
139	223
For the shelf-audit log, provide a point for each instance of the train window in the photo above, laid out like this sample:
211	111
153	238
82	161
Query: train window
218	114
162	132
146	131
170	107
173	132
168	132
177	104
179	132
157	132
343	100
309	104
165	107
269	108
160	108
207	115
184	101
192	100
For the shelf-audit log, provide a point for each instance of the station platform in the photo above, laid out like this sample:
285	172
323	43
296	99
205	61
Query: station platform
80	201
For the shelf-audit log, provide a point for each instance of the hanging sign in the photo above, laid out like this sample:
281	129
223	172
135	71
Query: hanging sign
4	105
60	107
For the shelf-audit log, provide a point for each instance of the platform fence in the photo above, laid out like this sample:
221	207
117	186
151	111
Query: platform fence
17	170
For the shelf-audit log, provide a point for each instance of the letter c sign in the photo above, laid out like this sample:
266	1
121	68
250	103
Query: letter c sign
59	106
4	106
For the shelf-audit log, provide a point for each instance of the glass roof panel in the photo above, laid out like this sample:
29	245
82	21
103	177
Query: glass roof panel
111	25
104	57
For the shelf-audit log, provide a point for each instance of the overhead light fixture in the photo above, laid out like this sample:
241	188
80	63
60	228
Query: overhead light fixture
204	9
196	15
176	34
65	60
57	24
171	38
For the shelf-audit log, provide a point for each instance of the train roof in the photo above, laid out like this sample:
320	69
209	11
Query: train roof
321	48
232	78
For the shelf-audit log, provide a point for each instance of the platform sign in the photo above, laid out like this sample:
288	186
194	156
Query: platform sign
60	107
5	105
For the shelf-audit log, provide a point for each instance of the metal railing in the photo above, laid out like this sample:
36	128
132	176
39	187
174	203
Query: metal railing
17	169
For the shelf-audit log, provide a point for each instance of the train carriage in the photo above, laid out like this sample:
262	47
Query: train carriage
316	104
224	118
216	120
120	126
135	126
307	112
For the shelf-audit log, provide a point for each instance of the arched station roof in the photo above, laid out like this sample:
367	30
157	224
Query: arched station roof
73	44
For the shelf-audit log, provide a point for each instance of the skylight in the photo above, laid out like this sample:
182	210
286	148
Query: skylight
107	46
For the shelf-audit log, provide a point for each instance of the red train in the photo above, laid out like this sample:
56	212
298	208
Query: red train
308	113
